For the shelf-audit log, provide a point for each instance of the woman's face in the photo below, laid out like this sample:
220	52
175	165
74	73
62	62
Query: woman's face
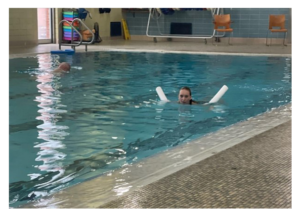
184	96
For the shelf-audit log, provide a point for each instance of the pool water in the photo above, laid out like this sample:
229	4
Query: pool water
105	113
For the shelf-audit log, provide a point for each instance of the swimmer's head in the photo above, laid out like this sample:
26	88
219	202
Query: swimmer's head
64	66
185	95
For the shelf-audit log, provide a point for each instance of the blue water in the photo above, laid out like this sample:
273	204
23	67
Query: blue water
104	113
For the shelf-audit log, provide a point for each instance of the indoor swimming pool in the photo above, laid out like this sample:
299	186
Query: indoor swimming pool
105	113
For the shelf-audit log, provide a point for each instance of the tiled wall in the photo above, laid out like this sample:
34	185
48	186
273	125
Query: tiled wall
247	22
23	27
103	20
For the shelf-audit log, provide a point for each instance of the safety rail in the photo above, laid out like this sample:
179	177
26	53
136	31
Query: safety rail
75	43
153	12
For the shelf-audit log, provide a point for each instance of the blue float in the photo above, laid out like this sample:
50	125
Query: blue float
66	51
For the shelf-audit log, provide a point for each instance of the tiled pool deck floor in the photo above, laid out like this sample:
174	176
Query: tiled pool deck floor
246	165
194	47
253	174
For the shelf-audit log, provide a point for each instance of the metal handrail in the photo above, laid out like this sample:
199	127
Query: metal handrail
73	44
73	28
93	38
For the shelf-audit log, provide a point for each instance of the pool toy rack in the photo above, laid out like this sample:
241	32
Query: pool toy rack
69	34
69	16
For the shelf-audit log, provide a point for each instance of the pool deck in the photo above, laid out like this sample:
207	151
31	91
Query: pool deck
251	168
161	46
253	174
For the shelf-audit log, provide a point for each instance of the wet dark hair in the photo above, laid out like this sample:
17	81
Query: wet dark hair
188	89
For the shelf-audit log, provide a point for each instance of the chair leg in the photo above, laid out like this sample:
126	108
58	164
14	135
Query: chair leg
229	38
212	41
285	35
270	39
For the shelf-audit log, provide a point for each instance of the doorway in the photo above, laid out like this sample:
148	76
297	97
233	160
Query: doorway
45	25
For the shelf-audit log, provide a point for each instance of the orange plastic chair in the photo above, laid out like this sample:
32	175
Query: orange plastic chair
278	22
223	21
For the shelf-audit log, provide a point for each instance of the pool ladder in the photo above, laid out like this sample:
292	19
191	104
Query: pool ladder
74	43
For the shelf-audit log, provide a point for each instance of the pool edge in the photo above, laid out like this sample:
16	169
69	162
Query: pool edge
91	194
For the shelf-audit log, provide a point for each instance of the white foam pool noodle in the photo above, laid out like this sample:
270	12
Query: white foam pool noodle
161	94
217	97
